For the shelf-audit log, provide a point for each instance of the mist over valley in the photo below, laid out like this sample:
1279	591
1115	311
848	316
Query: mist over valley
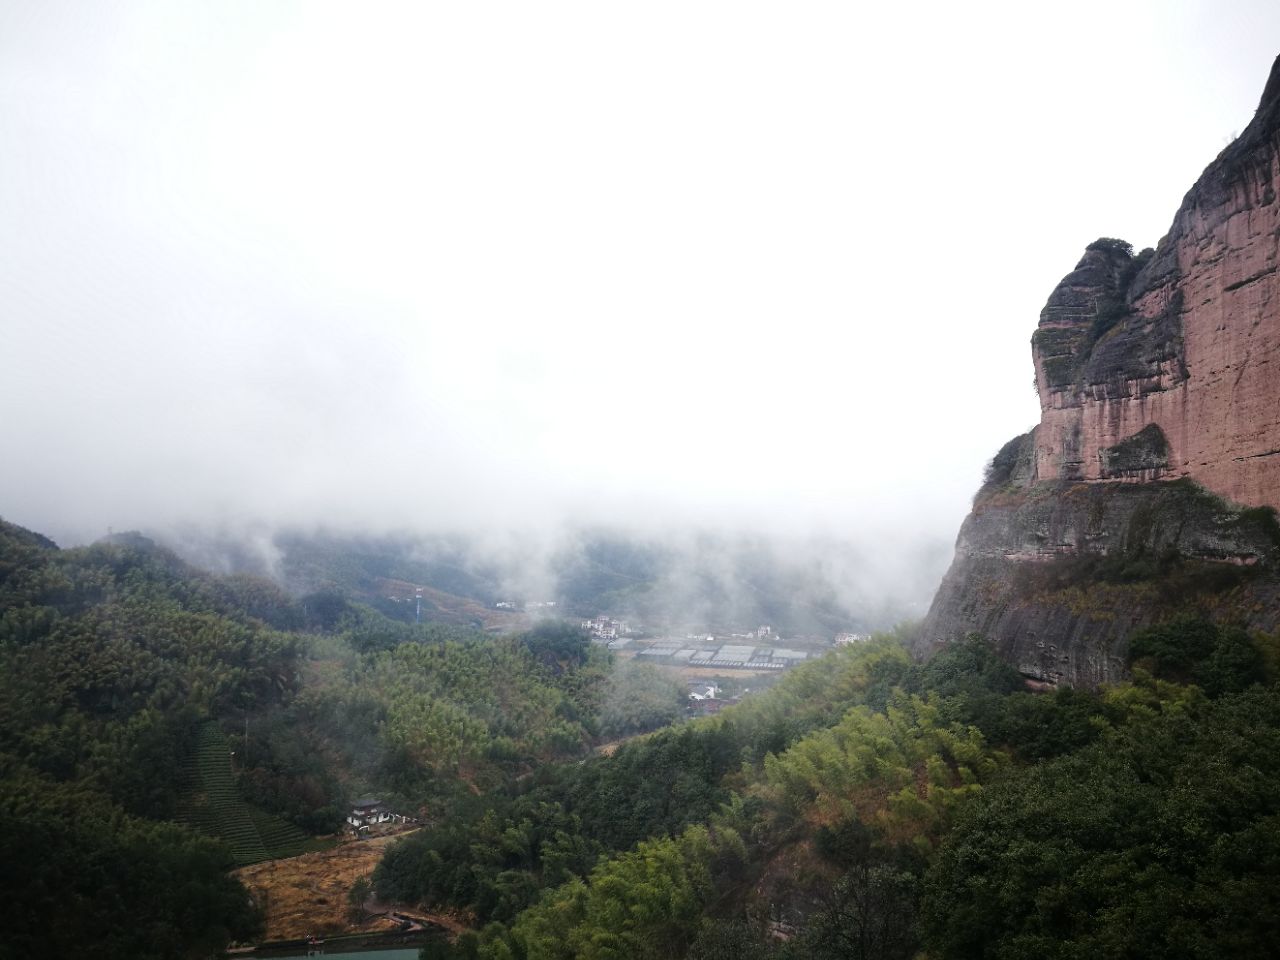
560	481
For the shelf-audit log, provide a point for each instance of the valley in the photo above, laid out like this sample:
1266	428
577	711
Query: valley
478	483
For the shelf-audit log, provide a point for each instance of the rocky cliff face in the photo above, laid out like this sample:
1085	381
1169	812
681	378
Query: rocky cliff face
1184	339
1159	383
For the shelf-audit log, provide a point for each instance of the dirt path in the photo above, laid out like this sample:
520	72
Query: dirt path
308	894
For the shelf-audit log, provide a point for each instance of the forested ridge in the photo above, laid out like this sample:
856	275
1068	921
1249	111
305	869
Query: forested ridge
864	806
110	658
159	725
868	806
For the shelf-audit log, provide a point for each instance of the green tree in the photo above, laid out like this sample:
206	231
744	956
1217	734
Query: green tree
359	894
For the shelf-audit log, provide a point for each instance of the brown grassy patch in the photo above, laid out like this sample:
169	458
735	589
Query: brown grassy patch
308	894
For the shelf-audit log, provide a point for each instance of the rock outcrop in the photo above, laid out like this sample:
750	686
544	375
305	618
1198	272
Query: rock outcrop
1149	483
1185	338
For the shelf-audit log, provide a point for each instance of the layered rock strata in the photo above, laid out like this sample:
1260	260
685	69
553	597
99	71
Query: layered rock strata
1058	574
1148	484
1185	337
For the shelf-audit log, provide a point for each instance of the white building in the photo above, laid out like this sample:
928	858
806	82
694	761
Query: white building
846	638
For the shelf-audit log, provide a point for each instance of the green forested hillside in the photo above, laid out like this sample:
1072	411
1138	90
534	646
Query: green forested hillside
1163	840
495	857
110	659
158	725
221	720
872	807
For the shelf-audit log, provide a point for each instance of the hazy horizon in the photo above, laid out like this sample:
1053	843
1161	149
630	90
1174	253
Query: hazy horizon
515	270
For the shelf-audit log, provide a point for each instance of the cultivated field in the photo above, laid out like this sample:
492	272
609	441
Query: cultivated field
211	805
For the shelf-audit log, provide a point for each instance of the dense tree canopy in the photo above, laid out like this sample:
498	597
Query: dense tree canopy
866	805
1162	841
85	879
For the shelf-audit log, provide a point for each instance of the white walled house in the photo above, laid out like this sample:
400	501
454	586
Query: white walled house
368	812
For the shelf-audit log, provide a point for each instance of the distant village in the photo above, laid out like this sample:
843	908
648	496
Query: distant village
762	650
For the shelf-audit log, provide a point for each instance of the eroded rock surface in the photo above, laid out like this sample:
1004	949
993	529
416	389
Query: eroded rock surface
1058	574
1185	337
1148	484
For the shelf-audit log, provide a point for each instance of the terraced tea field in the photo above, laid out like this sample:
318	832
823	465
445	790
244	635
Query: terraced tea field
210	804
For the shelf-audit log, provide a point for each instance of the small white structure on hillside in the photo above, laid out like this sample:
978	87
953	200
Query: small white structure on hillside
367	812
844	639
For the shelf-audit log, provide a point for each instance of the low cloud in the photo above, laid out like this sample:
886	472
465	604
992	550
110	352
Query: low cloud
430	272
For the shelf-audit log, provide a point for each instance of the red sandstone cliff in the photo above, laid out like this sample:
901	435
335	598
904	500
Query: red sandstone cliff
1147	487
1187	339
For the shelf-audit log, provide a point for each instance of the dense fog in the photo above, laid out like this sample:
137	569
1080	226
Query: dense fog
671	272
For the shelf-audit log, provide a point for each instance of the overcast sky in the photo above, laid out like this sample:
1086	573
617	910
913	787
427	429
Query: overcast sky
436	265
